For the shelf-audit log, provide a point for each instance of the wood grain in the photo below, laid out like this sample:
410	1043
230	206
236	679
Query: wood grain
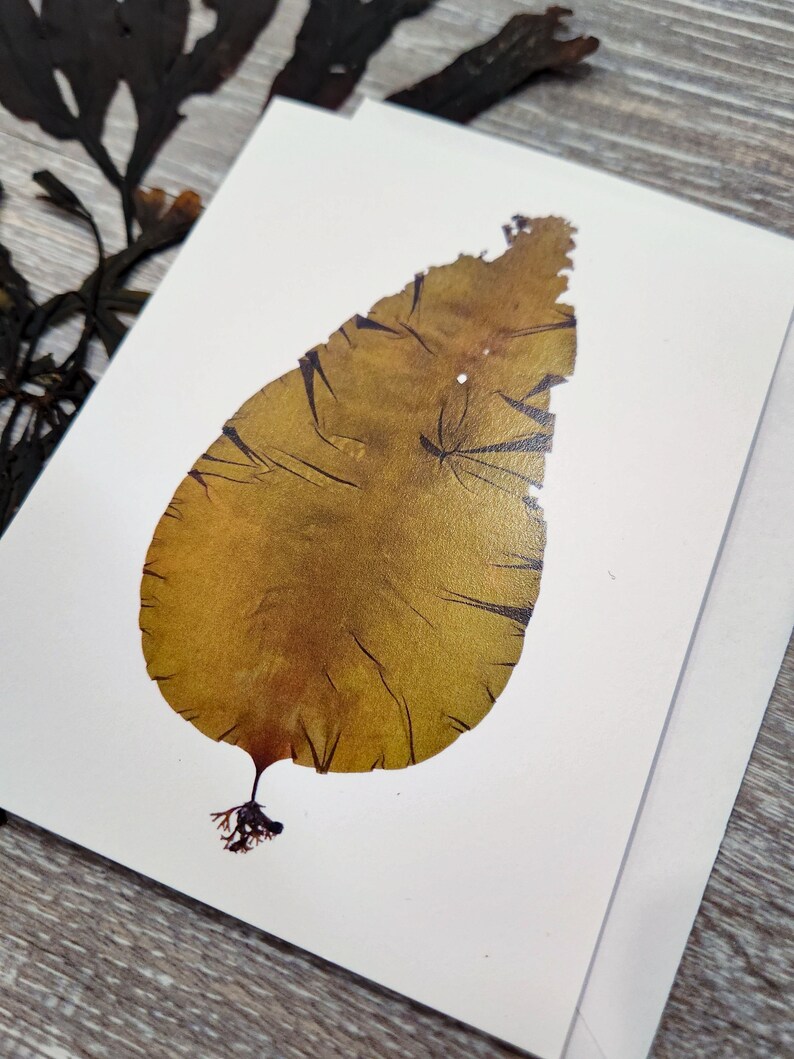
692	96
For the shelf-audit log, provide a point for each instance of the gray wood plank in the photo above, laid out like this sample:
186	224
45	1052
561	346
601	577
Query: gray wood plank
692	96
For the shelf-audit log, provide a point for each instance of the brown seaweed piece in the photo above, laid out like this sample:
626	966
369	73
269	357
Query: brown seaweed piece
525	46
345	577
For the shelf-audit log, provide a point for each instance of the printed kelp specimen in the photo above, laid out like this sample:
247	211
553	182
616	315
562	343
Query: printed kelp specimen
345	576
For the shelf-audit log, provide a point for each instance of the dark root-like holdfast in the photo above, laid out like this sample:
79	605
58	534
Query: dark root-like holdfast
245	826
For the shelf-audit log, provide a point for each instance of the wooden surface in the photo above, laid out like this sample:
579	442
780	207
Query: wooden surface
694	97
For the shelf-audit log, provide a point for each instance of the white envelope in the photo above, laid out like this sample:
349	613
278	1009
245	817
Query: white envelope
725	685
732	666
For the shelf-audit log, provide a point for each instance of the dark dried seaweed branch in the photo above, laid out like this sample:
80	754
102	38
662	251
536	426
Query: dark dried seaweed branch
334	45
39	398
490	72
97	44
161	76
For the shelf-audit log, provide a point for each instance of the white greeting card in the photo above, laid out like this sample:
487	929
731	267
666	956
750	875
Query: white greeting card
484	869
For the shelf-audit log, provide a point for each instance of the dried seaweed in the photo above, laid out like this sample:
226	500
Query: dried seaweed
334	45
161	76
427	422
490	72
97	44
39	398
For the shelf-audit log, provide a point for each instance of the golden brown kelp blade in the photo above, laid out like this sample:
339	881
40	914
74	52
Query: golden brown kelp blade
345	576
